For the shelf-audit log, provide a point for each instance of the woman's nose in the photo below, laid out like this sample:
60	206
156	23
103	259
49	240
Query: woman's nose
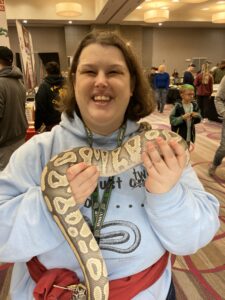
101	79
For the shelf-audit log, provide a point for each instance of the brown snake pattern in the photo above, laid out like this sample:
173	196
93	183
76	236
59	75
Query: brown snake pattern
57	195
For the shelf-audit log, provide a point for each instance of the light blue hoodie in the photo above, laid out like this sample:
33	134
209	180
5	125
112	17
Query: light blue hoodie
180	221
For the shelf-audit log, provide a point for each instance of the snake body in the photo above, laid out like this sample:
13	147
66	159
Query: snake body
60	202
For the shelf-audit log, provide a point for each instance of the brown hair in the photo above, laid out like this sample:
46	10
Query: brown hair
141	102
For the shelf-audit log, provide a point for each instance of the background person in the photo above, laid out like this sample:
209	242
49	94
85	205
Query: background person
220	107
13	122
204	88
189	75
151	77
185	114
175	77
161	84
219	72
107	95
47	97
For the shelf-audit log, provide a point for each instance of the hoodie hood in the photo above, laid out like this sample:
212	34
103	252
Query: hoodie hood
12	72
76	127
54	80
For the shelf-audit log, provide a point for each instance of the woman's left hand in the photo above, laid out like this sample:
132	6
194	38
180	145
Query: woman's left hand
163	170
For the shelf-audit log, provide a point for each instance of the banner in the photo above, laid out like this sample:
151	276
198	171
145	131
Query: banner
27	53
4	39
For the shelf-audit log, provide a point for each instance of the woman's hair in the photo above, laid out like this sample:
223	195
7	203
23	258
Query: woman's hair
205	73
141	102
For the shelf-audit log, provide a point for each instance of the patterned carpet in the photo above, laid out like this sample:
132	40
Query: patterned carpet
202	276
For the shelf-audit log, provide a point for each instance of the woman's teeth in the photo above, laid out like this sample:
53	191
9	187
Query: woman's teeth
101	98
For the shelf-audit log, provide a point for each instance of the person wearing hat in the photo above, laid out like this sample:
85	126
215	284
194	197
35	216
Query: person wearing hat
219	72
13	122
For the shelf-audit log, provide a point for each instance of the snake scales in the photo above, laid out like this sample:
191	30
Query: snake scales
66	213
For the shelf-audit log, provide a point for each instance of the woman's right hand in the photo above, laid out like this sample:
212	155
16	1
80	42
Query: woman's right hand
83	180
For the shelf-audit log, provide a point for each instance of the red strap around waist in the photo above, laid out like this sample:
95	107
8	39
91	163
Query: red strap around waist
125	288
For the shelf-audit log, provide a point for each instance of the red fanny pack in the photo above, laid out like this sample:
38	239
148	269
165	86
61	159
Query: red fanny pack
125	288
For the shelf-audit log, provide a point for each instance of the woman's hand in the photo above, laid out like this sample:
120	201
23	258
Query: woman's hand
83	180
163	173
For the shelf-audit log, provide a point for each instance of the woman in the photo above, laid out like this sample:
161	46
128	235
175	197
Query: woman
204	88
149	206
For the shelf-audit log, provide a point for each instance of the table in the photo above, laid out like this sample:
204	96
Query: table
173	96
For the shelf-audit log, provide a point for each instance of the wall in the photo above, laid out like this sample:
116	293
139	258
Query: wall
153	46
73	35
44	39
174	45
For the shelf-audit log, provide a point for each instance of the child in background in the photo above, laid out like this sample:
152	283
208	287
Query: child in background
185	114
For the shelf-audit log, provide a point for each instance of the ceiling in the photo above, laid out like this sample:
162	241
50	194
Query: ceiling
122	12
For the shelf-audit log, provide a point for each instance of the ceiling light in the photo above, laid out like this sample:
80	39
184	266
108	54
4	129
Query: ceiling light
68	9
156	16
218	17
156	4
194	1
205	8
24	21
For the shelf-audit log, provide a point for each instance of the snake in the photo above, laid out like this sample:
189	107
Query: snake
66	213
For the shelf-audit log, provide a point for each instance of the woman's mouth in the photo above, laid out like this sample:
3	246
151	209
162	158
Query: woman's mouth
102	98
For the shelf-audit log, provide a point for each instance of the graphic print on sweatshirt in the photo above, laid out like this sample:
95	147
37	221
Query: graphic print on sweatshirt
119	232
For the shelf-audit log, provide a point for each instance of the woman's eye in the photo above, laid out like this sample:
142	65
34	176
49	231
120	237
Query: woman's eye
114	72
88	72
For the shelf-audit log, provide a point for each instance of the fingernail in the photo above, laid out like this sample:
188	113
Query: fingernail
159	139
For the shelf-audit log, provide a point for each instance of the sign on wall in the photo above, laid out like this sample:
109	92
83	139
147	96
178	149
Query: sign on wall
27	53
4	39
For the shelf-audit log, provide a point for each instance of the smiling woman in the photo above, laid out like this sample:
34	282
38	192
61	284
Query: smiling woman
102	85
123	66
70	237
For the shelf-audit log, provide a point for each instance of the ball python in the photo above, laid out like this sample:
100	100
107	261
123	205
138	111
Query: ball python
59	200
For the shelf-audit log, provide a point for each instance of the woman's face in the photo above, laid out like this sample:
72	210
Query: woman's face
102	87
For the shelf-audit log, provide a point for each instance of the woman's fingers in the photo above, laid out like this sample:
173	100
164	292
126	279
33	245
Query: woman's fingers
165	154
181	153
83	180
148	164
74	170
